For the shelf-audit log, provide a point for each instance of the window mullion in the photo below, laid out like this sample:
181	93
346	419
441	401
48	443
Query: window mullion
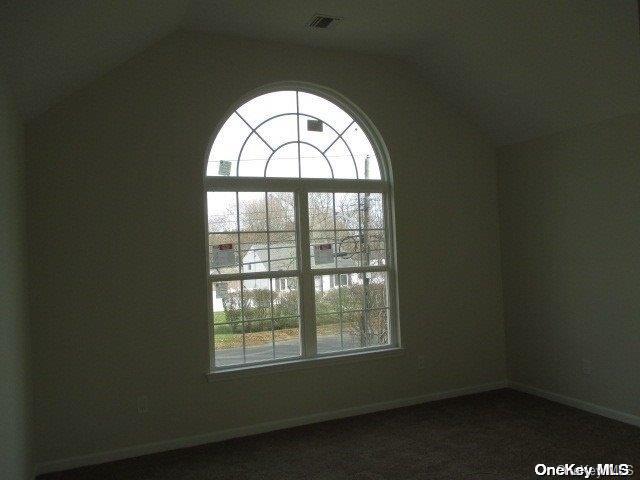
307	293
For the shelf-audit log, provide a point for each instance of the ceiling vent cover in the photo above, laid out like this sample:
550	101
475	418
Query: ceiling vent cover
322	21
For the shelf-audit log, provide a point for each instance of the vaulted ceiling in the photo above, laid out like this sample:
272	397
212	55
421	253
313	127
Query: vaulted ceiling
518	69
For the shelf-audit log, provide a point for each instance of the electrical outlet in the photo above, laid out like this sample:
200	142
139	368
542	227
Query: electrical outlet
143	404
587	368
422	362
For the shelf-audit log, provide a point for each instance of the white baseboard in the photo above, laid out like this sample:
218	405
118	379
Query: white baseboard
577	403
184	442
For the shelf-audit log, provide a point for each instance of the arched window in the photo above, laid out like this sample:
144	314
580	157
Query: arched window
300	246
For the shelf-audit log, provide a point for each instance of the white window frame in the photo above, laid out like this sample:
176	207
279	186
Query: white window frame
301	187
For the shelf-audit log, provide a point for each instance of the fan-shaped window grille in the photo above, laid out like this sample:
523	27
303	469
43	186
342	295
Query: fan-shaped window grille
292	134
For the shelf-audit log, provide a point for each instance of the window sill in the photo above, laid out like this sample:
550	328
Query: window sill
304	363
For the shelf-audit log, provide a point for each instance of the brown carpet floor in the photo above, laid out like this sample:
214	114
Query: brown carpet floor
501	434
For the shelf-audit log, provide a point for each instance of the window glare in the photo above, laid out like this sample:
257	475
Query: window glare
292	134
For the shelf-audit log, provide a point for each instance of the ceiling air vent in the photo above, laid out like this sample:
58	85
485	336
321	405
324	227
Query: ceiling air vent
322	21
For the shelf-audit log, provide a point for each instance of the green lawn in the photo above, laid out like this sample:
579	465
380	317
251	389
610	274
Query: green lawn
220	317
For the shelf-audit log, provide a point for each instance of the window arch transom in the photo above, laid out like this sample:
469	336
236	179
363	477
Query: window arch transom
292	134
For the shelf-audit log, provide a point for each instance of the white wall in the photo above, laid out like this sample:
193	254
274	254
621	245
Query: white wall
570	233
15	393
117	248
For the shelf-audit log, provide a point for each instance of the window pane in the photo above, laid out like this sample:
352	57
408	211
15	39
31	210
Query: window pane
352	328
256	299
341	160
222	211
253	157
279	130
228	344
281	211
223	253
322	249
328	333
226	147
348	248
250	249
376	290
226	302
258	341
227	323
322	235
374	248
365	329
327	294
253	211
253	250
376	328
282	250
286	298
260	108
327	111
318	133
359	223
350	312
351	291
321	211
286	306
284	162
347	213
363	153
287	337
264	327
372	210
313	163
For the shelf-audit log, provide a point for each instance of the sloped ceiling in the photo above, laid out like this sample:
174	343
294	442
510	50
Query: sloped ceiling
49	48
518	68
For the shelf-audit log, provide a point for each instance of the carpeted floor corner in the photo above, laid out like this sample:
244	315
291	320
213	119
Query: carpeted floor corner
496	435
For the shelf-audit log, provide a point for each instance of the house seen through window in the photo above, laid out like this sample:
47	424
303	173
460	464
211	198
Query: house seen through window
299	233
